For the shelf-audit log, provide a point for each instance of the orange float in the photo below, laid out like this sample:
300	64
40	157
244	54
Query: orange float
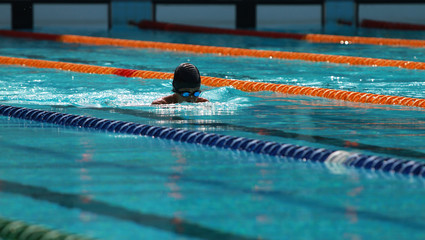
224	51
248	86
316	38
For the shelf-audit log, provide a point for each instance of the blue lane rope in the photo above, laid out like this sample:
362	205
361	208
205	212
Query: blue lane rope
377	163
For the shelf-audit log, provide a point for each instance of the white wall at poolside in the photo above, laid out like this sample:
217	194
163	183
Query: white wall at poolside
224	15
403	13
5	16
209	15
293	16
93	16
281	16
77	15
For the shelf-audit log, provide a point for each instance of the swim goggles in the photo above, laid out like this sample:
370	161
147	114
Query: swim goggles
187	94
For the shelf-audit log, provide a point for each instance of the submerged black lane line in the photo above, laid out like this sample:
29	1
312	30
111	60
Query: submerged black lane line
67	200
36	150
284	196
401	152
288	197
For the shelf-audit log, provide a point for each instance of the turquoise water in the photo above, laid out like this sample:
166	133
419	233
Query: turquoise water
114	186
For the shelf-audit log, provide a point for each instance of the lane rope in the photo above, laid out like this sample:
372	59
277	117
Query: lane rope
369	23
247	86
222	51
303	153
18	230
315	38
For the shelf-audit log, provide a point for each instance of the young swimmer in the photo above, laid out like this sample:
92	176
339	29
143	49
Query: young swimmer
186	86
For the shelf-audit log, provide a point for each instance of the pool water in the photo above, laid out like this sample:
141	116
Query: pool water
115	186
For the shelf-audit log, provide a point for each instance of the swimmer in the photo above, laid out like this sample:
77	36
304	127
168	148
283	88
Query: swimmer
186	86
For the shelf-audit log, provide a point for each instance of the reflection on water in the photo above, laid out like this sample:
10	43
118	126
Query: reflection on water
137	186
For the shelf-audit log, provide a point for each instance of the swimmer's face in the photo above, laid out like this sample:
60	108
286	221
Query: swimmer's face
188	94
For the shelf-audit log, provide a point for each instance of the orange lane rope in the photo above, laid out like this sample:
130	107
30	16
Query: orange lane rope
369	23
247	86
322	38
226	51
317	38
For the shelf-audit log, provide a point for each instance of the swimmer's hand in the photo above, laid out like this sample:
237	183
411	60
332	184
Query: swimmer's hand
173	99
159	101
201	99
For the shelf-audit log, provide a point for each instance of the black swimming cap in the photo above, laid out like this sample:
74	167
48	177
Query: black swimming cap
186	75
